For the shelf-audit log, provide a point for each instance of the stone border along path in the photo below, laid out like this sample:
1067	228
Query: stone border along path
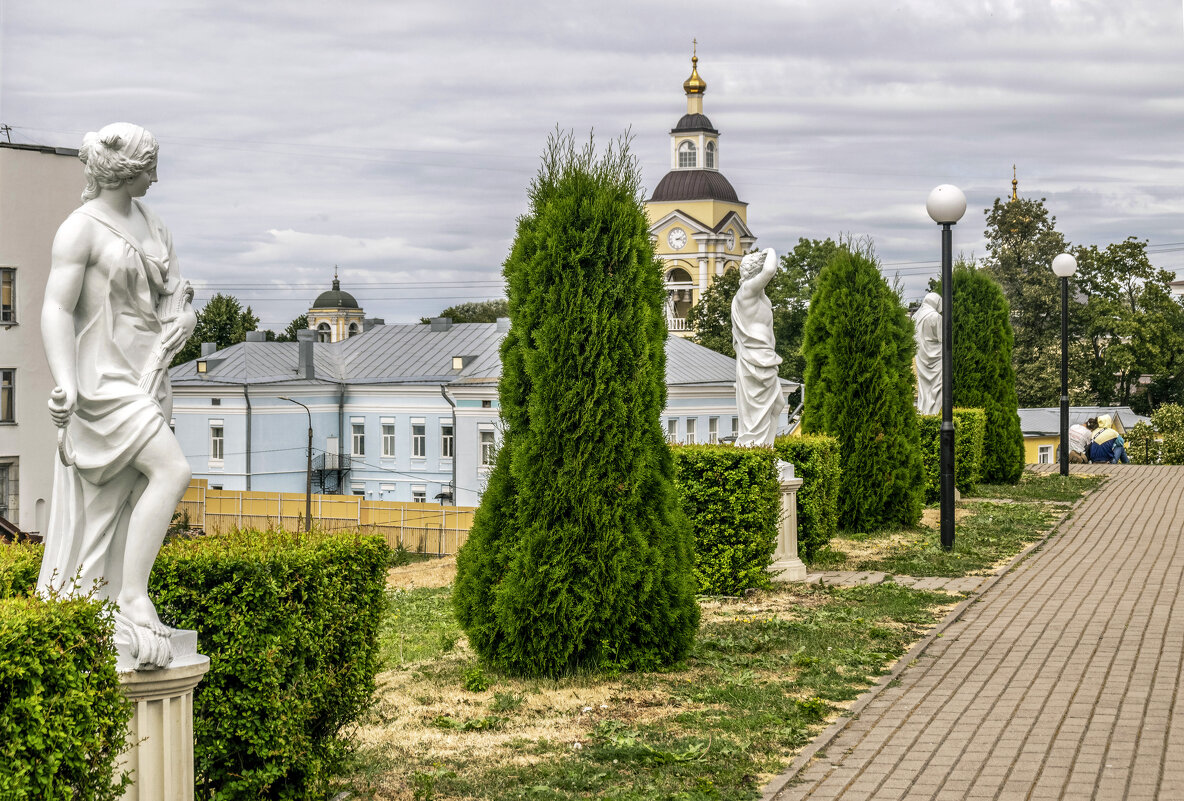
1059	679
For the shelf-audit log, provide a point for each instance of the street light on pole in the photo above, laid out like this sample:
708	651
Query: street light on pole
946	205
1063	266
307	469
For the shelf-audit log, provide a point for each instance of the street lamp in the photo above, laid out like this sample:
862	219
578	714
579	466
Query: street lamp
308	468
1064	266
946	205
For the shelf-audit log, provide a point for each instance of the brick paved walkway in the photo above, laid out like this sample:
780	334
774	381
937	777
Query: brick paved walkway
1061	681
850	578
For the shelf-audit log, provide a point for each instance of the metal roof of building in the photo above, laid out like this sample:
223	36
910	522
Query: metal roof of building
694	122
414	354
1047	422
53	151
694	185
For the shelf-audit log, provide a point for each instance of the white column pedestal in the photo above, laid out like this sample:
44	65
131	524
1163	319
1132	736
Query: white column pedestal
787	566
161	736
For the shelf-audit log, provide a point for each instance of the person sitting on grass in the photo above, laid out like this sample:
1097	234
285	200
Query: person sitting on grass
1108	444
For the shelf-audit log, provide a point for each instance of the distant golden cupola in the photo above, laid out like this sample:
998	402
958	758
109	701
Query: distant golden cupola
1014	184
694	86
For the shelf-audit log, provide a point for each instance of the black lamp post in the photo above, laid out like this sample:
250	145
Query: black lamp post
307	469
946	205
1064	266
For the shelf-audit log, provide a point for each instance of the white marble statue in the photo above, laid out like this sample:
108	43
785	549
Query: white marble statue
116	311
758	388
927	332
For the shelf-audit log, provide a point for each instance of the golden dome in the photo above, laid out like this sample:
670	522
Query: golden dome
694	85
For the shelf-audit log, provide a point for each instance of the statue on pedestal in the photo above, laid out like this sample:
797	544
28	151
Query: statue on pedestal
927	332
758	387
116	311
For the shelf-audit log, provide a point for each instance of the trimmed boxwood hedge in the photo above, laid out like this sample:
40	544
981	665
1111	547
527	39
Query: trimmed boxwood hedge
63	719
19	565
290	623
733	499
970	427
815	460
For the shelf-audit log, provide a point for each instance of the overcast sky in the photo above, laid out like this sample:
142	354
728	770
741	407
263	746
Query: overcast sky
397	139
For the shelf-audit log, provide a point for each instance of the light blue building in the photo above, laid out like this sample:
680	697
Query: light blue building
398	412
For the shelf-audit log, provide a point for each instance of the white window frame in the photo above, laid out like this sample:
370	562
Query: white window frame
486	447
688	155
713	430
691	425
8	311
419	493
388	437
357	438
217	443
709	156
357	490
8	395
419	441
735	426
1044	454
447	441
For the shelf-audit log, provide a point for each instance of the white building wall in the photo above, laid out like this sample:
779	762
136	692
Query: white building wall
38	190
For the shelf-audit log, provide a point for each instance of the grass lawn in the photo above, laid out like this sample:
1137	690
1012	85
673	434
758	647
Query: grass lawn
766	674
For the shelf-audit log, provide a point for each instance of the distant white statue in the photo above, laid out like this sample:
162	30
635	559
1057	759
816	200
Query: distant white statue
927	332
116	311
758	387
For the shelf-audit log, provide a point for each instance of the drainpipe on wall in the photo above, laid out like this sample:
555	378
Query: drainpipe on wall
455	439
340	436
247	398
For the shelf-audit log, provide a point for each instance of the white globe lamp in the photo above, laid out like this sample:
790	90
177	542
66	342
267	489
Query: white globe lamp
946	204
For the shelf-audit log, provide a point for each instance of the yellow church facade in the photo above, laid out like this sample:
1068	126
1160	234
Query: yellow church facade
698	223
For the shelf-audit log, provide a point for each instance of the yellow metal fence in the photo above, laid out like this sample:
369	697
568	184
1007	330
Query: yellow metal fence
419	527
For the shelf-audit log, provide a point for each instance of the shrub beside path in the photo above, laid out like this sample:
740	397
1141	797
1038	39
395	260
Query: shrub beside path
1061	680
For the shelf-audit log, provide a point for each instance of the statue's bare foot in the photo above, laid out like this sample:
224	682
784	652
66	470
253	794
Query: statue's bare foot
140	611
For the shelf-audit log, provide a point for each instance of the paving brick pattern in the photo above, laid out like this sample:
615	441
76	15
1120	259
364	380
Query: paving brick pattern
1062	681
850	578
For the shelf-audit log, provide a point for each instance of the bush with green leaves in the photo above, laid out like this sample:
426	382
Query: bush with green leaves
290	623
19	565
1168	421
733	498
983	376
1141	444
969	450
63	718
580	554
815	460
860	387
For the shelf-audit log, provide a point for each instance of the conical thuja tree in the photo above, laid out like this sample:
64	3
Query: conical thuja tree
858	344
983	375
580	555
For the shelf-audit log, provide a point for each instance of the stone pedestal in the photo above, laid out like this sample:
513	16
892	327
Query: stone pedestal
787	566
161	737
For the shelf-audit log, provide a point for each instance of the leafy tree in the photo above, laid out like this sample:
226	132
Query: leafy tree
223	321
485	311
789	291
1022	240
300	323
983	376
580	555
858	346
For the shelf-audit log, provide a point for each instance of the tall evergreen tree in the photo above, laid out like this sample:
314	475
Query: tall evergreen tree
580	555
983	376
1022	241
859	348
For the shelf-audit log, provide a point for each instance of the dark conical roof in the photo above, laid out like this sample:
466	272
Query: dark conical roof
694	185
694	122
335	298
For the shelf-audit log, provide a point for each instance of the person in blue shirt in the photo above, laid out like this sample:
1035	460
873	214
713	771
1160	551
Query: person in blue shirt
1108	444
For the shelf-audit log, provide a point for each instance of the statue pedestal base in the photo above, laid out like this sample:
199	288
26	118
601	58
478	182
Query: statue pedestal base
787	566
161	736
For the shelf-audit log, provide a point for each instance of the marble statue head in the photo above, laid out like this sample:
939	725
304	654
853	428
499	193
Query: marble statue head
933	300
114	155
751	264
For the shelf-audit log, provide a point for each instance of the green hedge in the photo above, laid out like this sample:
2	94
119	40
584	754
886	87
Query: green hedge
19	566
970	427
290	623
733	499
815	460
63	719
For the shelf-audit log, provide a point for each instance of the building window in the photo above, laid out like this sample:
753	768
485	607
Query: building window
710	158
690	430
1044	454
353	329
357	438
686	154
735	426
419	493
388	438
7	295
7	396
324	333
419	441
358	489
487	449
445	440
713	430
217	450
672	430
486	404
6	471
